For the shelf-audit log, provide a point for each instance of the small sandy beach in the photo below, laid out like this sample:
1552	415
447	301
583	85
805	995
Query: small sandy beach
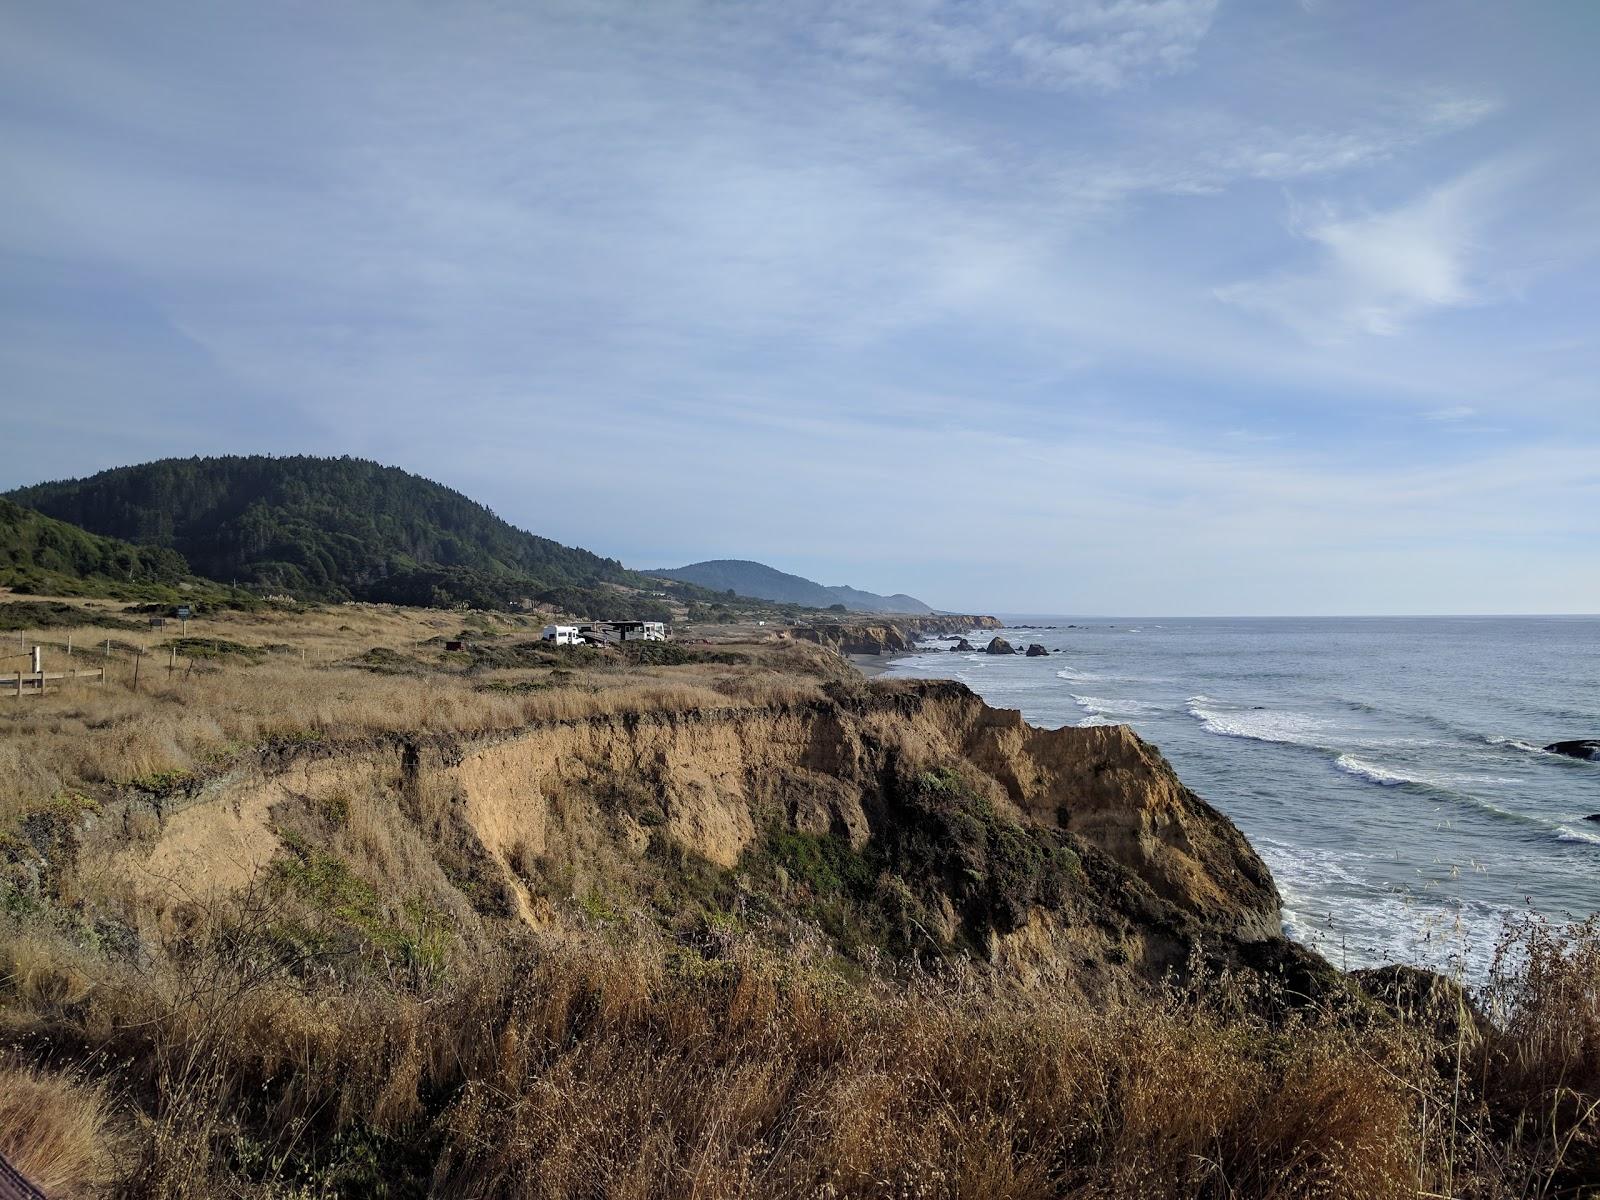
872	665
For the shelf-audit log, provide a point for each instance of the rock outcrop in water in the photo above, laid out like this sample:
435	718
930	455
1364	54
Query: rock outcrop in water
999	646
1035	650
1587	749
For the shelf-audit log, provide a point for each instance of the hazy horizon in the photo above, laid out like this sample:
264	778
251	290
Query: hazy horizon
1198	306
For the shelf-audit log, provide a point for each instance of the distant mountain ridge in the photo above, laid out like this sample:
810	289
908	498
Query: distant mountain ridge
757	580
332	528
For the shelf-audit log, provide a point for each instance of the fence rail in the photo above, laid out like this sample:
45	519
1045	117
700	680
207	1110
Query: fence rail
33	683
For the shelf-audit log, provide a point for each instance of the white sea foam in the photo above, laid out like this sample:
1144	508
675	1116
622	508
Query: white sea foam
1511	743
1332	903
1567	833
1094	719
1257	724
1109	707
1388	776
1309	864
1073	675
1384	776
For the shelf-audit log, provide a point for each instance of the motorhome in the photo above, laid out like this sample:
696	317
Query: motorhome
641	631
633	631
562	635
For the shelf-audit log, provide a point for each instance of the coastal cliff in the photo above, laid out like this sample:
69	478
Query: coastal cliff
1071	855
881	637
583	925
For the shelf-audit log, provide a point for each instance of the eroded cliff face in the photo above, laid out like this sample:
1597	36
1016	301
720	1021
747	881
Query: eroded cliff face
1072	856
883	637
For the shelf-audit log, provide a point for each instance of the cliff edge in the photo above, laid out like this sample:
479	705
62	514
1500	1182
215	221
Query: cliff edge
907	818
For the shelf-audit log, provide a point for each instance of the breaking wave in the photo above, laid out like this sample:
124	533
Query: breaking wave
1511	743
1073	675
1103	707
1382	776
1257	724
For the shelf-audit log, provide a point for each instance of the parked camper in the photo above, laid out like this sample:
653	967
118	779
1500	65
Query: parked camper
562	635
634	631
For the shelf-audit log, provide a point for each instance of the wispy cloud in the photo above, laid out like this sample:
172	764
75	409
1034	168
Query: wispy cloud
1375	272
1092	44
854	252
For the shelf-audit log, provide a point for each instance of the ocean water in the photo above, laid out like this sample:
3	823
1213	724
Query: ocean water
1389	770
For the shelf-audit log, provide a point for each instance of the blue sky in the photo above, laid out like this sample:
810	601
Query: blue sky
1166	307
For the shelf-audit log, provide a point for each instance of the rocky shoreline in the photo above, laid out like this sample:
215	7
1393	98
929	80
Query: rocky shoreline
899	636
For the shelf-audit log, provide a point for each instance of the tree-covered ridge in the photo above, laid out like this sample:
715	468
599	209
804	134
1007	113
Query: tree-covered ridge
329	527
43	555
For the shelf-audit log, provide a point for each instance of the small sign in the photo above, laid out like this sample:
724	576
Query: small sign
183	613
158	622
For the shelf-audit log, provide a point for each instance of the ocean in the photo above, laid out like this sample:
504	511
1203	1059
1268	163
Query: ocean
1389	770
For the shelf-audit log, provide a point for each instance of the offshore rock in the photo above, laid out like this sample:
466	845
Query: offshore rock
1587	749
1035	650
999	646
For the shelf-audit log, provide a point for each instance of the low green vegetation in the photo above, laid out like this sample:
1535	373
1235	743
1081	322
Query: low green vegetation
34	615
162	783
215	648
879	901
381	660
35	549
347	919
996	869
43	556
676	654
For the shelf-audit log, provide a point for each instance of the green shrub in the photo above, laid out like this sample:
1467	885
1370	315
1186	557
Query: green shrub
996	869
210	648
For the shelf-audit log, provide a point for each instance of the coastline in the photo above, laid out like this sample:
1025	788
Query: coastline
873	665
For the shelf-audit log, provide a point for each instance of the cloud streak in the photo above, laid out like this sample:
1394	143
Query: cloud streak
1375	272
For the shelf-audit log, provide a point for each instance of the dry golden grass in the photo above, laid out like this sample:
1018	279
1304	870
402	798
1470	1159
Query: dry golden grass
53	1129
357	1020
87	739
573	1065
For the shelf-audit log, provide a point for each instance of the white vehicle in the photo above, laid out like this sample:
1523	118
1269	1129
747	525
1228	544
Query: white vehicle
561	635
635	631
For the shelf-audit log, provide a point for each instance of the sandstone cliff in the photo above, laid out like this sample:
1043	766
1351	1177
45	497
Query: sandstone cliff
1074	856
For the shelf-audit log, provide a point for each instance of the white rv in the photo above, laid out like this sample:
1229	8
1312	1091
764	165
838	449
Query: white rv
562	635
634	631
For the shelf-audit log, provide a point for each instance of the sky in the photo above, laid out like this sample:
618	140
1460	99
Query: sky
1176	307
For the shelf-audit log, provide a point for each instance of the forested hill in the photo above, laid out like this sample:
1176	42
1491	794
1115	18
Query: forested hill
326	527
747	578
42	555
